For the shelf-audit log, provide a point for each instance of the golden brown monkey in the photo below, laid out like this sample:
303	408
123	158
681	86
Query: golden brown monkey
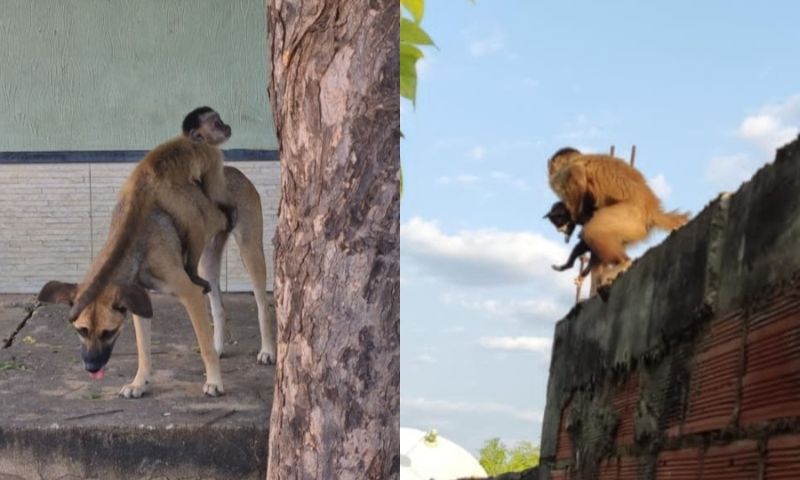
626	209
167	178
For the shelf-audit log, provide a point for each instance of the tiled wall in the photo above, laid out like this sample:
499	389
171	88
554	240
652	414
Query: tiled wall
54	218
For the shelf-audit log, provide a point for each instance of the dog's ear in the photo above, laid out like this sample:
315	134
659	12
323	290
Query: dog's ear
58	292
135	299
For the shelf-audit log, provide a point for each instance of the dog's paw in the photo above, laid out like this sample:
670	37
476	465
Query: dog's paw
133	390
266	357
213	389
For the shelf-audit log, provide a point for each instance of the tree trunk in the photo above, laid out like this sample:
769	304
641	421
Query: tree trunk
335	97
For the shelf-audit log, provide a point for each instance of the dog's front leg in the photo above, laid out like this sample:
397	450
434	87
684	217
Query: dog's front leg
141	382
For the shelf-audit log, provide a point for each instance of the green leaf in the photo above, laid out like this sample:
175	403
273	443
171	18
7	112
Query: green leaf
409	54
411	32
415	7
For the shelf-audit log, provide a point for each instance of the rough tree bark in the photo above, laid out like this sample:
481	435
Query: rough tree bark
335	97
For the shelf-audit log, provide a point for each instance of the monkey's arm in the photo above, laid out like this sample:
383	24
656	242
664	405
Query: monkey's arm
574	189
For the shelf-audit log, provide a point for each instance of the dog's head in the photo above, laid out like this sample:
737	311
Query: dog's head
559	216
98	324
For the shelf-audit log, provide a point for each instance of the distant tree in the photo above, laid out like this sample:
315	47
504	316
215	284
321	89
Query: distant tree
497	459
493	457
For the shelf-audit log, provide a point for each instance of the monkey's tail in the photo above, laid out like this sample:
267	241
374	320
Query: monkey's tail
131	212
670	220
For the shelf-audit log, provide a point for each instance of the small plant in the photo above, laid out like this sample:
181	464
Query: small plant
12	366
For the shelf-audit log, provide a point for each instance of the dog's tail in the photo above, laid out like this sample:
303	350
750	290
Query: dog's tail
135	202
670	220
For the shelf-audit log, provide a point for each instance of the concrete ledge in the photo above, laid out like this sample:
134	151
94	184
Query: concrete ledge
57	423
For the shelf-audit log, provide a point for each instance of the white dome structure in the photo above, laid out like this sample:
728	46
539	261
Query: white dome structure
428	456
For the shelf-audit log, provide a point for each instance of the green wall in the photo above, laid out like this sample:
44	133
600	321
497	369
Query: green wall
120	75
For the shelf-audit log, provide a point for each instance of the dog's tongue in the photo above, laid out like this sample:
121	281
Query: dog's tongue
98	374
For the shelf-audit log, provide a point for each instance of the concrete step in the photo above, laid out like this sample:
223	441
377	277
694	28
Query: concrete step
55	422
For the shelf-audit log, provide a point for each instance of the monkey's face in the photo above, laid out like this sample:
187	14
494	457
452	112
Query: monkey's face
98	325
212	129
559	216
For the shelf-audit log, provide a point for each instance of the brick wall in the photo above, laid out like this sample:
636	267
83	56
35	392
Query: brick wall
692	368
54	218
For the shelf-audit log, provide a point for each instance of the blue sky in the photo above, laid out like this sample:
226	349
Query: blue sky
706	91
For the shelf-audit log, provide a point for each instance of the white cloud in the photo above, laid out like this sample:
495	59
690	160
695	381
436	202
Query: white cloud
580	129
509	179
511	309
774	125
528	344
477	153
489	44
424	404
425	358
660	186
462	179
729	171
529	82
486	256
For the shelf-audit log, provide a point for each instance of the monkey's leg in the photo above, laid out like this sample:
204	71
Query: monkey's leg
579	250
607	234
196	219
611	229
216	189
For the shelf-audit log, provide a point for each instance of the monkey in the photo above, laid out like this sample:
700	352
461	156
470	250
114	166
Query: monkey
167	178
625	208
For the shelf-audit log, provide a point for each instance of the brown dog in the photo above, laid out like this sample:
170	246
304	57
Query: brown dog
155	261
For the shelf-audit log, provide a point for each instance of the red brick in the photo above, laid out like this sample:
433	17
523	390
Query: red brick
722	330
607	470
771	383
564	444
624	400
779	306
678	464
713	387
559	475
628	469
736	461
783	458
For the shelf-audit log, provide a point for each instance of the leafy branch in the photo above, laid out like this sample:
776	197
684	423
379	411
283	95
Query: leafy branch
412	37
